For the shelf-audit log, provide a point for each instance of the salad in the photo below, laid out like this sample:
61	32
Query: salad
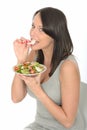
29	68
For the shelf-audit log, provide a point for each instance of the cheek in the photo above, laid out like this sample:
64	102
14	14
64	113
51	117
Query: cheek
45	44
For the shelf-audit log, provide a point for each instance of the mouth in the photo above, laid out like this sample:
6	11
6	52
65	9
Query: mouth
33	42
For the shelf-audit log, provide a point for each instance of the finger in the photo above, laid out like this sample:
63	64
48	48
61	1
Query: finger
39	75
18	41
15	41
21	77
24	40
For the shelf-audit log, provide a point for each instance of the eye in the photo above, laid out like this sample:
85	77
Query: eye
33	26
40	29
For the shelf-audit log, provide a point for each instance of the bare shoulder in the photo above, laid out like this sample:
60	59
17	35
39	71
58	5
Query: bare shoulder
69	71
69	65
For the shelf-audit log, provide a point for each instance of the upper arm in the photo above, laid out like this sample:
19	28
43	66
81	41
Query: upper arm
70	86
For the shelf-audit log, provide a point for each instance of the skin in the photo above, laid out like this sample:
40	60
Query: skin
69	76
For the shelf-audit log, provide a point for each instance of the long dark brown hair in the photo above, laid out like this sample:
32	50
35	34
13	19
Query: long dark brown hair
55	25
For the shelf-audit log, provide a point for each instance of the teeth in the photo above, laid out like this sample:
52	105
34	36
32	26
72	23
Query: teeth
33	42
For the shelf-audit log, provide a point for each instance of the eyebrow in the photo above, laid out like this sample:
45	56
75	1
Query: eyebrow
40	26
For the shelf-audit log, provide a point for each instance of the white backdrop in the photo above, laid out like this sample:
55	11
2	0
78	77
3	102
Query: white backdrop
15	21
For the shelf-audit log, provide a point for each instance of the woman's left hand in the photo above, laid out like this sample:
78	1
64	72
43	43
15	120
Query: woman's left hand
33	83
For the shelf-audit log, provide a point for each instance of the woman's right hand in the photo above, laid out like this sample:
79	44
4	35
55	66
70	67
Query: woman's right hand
21	49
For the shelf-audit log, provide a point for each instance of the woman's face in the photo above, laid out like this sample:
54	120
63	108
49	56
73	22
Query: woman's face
43	41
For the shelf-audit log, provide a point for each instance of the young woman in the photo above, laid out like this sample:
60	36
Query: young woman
57	90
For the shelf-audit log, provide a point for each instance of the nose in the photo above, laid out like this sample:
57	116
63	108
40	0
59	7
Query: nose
33	32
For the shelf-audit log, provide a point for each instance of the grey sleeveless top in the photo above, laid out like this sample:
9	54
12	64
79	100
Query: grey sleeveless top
43	119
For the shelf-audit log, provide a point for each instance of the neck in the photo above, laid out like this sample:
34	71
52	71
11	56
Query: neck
48	53
48	58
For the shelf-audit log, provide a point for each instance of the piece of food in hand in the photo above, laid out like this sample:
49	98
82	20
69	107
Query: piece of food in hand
32	42
27	41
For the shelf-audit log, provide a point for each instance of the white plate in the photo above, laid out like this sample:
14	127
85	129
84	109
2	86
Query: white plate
34	74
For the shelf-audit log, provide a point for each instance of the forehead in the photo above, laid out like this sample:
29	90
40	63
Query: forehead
37	19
